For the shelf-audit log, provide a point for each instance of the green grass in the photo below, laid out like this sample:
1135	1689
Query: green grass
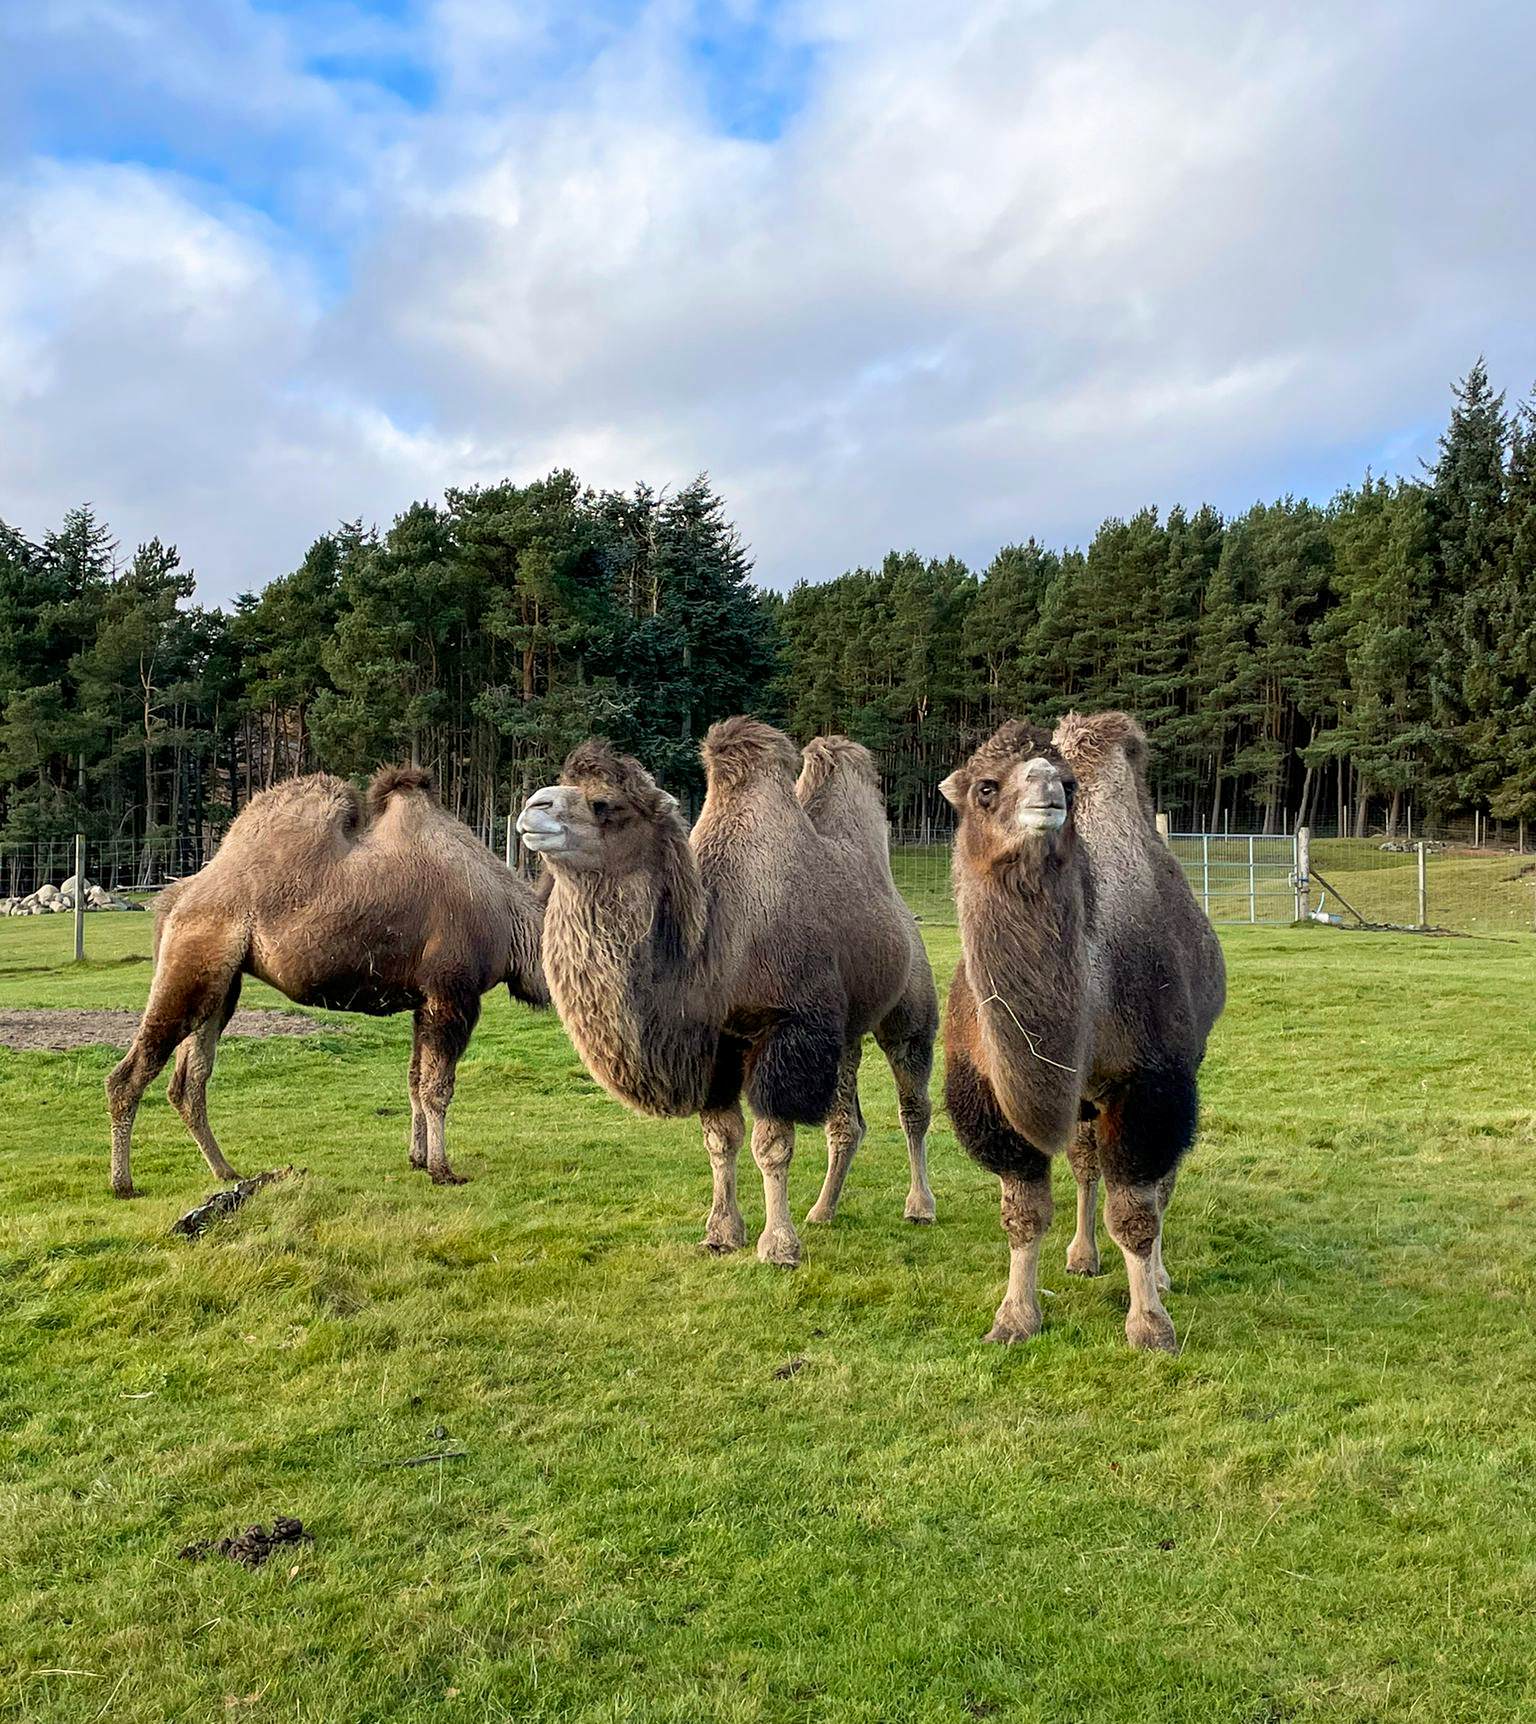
1324	1508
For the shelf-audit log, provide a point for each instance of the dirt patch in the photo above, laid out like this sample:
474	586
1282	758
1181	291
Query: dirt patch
59	1031
252	1547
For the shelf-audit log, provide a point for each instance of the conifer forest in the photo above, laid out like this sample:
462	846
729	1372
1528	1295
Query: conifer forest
1349	663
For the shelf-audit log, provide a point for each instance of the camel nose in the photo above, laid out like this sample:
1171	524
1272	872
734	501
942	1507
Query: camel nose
539	824
1042	799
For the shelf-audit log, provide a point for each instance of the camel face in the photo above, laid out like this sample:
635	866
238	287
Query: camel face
560	823
1014	795
601	816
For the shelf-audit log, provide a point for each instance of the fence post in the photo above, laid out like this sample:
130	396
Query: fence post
79	897
1303	871
511	830
1253	888
1205	875
1162	830
1423	889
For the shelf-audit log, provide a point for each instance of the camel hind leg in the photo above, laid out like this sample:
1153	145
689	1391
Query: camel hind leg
1083	1153
1143	1133
443	1028
906	1040
191	984
845	1132
418	1112
188	1088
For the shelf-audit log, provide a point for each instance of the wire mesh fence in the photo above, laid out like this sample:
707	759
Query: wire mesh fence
1236	877
118	864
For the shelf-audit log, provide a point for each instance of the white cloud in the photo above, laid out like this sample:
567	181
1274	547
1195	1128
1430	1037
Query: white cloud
1011	268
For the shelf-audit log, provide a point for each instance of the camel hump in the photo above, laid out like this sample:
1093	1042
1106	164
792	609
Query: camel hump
736	749
1089	739
825	756
395	781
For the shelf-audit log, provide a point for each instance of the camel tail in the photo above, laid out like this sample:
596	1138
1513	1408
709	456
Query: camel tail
397	780
738	749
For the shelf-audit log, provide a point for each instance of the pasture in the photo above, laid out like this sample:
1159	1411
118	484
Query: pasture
704	1490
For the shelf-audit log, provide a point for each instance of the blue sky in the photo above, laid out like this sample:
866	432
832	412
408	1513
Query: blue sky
938	276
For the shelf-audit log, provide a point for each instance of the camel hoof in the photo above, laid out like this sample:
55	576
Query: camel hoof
780	1247
818	1215
1151	1332
446	1176
919	1213
420	1166
723	1233
1013	1324
125	1191
1083	1263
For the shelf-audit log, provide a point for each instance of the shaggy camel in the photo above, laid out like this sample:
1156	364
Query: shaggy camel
387	908
753	955
1088	983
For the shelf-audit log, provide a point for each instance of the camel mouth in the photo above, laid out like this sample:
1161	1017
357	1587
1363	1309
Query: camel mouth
540	832
543	839
1043	816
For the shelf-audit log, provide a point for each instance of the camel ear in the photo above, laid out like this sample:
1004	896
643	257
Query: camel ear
954	787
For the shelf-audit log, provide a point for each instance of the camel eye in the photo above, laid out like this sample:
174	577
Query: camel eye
599	808
986	792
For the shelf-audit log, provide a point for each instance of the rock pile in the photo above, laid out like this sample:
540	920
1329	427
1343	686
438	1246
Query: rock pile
50	900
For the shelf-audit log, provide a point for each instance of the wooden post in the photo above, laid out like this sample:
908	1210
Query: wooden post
79	897
511	836
1423	890
1303	872
1253	887
1205	878
1162	830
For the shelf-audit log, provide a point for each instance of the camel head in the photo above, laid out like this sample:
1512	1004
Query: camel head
1014	797
604	816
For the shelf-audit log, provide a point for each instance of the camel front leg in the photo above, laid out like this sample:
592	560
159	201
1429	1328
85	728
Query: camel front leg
443	1028
1026	1211
845	1132
724	1133
1083	1154
175	1012
188	1089
773	1146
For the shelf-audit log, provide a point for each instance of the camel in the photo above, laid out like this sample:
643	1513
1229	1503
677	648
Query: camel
751	956
386	907
1088	984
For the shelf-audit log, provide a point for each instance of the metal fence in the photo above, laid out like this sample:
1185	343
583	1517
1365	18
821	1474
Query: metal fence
1240	876
119	864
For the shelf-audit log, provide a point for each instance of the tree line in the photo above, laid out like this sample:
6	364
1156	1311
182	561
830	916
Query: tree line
1332	664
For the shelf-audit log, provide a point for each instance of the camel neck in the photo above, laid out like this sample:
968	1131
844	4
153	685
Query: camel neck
629	970
1023	931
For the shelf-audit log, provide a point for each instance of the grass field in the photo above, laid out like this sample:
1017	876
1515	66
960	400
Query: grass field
1324	1508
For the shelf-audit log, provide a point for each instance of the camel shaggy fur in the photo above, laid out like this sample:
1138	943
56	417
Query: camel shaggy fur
1088	984
751	956
383	907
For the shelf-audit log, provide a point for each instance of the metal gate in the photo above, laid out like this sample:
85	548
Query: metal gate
1240	876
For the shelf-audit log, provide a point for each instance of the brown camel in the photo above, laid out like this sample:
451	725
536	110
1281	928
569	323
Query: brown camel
753	955
387	908
1089	981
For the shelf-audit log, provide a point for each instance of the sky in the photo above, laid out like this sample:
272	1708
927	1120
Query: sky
896	275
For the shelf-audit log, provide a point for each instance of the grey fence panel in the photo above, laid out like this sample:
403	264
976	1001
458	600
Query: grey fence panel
1240	876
